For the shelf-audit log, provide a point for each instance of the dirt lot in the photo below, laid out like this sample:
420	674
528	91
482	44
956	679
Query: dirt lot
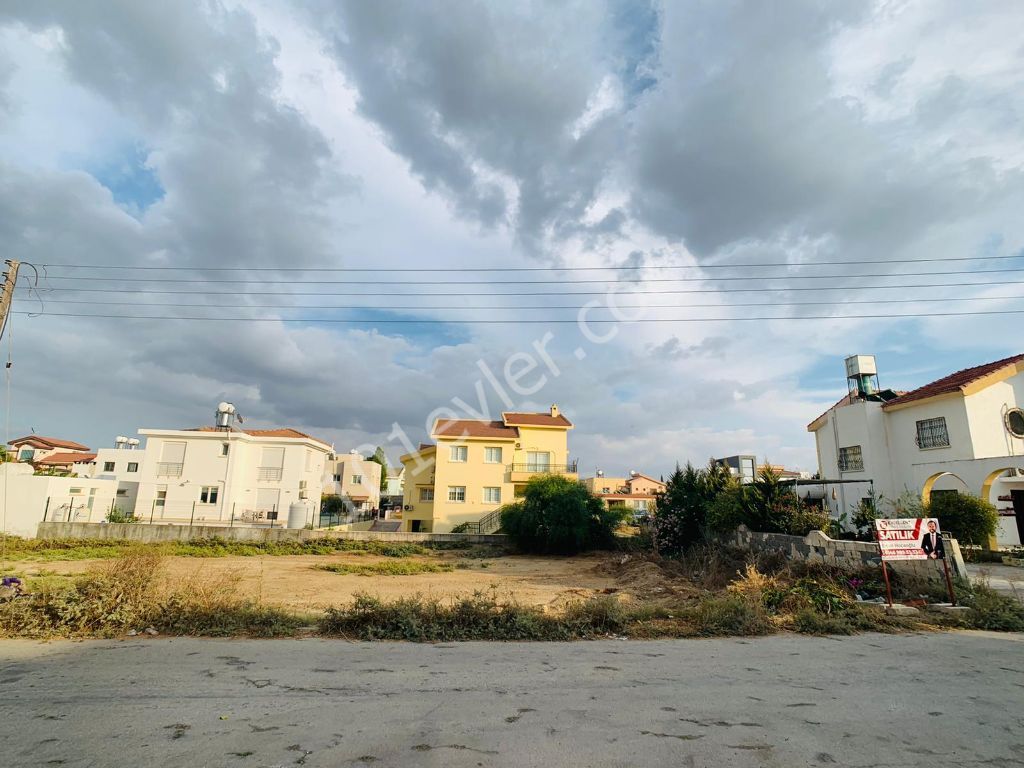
295	581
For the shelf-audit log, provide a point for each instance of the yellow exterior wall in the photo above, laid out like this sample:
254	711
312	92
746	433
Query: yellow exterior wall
434	468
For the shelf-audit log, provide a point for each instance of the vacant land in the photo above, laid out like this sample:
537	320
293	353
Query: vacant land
302	583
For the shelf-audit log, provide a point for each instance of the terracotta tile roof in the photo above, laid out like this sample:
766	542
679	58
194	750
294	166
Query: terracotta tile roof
645	477
535	420
955	381
49	442
473	428
280	432
60	459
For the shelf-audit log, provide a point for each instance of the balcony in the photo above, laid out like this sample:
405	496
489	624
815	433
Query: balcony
270	474
520	473
168	469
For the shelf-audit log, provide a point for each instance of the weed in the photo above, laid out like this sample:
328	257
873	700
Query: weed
992	611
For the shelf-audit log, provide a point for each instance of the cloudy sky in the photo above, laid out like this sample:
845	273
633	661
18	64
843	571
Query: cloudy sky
543	155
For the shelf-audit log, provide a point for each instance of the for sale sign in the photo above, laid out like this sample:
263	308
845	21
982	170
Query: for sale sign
911	539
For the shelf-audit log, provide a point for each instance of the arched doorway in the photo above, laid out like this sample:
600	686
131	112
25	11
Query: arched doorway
942	481
1015	502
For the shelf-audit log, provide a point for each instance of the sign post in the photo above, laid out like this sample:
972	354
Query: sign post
911	539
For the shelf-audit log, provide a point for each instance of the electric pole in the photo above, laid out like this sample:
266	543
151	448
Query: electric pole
7	292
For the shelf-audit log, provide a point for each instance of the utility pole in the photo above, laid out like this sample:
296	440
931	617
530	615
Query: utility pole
7	292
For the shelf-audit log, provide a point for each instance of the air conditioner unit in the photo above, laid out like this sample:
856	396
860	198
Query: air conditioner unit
407	507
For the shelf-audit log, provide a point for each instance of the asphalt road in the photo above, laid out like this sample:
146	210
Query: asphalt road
924	700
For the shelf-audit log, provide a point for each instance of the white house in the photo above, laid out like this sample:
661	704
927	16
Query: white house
963	432
227	475
123	464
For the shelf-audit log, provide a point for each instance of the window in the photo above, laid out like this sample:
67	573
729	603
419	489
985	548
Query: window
357	479
224	448
492	495
25	454
75	491
538	461
122	491
492	455
606	489
426	494
1015	422
931	433
457	493
161	496
303	490
337	478
851	459
133	466
108	466
458	453
208	494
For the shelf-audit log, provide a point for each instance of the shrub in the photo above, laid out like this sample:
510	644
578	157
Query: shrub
726	512
730	615
117	516
966	518
559	516
386	568
992	611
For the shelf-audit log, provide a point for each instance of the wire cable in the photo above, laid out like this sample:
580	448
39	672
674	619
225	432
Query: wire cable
928	260
607	281
397	307
530	321
393	294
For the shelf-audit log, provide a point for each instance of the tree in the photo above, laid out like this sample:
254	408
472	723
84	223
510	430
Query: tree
681	511
559	516
966	518
381	458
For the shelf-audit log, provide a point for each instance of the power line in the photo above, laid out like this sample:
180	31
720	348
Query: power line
606	281
541	269
394	294
531	321
396	307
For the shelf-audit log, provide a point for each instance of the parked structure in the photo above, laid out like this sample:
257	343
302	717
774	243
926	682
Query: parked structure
637	492
226	475
476	466
963	432
355	478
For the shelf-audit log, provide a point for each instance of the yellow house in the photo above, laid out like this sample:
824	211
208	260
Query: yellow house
474	467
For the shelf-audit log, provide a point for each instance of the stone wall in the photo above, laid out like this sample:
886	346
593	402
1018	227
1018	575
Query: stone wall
147	534
816	547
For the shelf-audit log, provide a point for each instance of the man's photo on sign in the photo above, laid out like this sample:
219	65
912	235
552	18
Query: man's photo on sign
931	543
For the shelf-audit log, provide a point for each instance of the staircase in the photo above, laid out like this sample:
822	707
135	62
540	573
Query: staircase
489	523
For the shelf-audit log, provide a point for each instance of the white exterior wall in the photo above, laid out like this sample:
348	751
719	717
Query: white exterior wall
26	498
985	415
242	490
127	482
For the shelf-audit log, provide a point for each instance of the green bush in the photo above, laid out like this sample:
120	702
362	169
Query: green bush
992	611
559	516
966	518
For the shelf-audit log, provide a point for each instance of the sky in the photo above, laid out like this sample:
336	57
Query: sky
661	151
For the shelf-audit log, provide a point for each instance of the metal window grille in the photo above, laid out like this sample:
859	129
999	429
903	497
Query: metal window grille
932	433
851	459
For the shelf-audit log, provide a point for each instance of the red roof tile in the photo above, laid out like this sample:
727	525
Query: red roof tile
535	420
60	459
472	428
955	381
49	442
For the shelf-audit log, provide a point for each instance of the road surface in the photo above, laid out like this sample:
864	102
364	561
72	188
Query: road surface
925	700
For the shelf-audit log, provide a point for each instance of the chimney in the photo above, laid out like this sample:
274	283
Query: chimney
554	410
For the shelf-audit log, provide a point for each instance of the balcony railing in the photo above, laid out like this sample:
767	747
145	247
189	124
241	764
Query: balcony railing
547	469
268	473
169	469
